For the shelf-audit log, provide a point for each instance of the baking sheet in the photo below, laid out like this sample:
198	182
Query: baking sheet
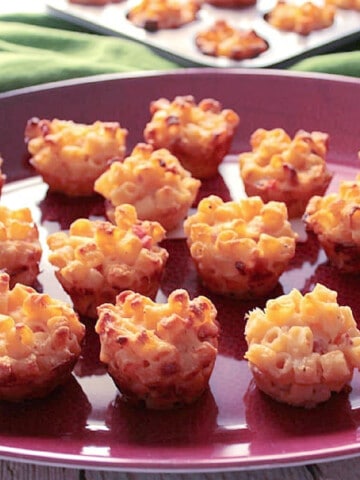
179	44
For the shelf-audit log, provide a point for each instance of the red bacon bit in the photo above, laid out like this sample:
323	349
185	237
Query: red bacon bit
146	239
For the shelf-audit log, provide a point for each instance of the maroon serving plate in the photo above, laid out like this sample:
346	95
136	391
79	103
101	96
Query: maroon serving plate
233	426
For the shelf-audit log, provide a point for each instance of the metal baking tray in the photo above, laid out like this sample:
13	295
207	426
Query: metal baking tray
179	44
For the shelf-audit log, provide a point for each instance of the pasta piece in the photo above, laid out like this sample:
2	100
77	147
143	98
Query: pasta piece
240	248
160	355
301	348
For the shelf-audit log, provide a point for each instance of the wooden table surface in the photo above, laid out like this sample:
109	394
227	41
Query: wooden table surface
345	469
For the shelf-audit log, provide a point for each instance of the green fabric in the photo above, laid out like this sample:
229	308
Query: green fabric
36	49
343	63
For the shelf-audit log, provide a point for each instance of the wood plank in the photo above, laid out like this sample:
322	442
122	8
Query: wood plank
291	473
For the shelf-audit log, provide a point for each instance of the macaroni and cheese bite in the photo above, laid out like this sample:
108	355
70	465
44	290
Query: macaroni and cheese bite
284	169
303	18
240	248
199	135
97	259
154	15
223	40
40	342
71	156
335	220
154	182
160	355
301	348
20	249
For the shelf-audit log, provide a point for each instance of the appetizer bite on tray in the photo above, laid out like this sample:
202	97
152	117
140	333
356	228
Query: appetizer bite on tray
284	169
20	249
153	15
97	259
335	220
40	342
223	40
199	135
303	18
71	156
240	248
301	348
160	355
154	182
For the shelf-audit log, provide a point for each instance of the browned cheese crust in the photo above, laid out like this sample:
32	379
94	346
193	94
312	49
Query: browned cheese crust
302	19
153	15
223	40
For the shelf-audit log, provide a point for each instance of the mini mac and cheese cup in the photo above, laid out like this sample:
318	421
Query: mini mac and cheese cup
20	249
160	355
40	342
153	15
301	348
154	182
286	170
199	135
240	247
335	220
97	259
301	18
71	156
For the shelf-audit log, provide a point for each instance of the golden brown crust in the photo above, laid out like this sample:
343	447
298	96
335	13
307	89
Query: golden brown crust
71	156
40	342
335	220
153	15
154	182
96	260
231	3
286	170
302	19
302	348
223	40
160	355
20	249
199	135
94	2
345	4
240	248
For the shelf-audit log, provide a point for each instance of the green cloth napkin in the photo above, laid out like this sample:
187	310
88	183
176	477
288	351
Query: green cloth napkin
37	48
